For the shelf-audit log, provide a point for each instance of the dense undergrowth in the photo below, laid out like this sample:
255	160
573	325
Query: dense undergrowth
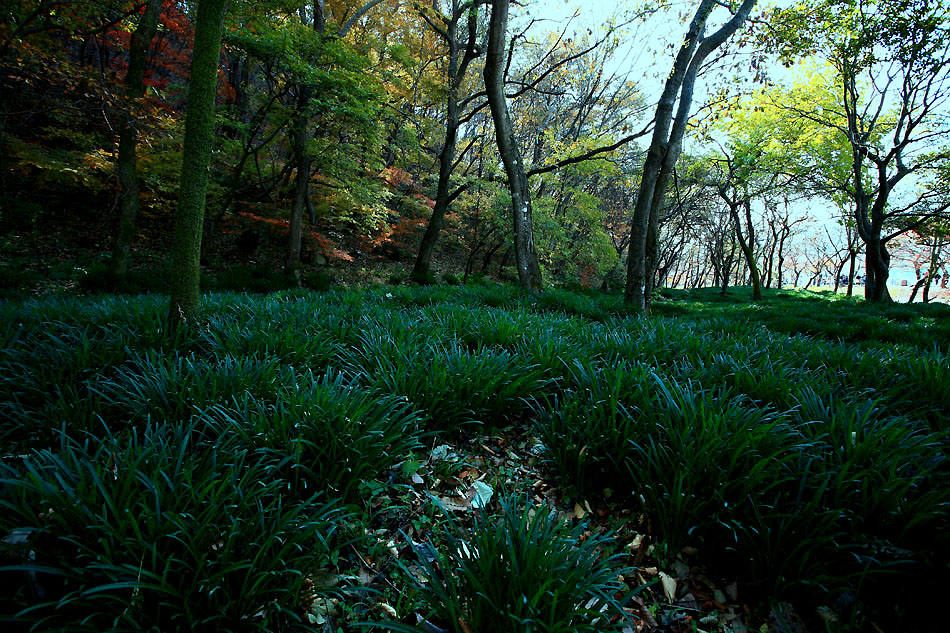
210	479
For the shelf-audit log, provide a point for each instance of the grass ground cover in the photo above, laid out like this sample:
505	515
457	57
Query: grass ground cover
336	449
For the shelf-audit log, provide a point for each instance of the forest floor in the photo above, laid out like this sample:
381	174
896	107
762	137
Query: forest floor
776	466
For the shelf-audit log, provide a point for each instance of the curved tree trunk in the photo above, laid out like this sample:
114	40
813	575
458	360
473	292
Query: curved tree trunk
526	256
747	245
877	266
666	144
126	168
199	139
455	74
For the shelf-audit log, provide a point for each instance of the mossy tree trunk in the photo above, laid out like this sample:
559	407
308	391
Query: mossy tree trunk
126	168
199	139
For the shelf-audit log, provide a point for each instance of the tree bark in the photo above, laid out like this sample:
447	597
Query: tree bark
198	141
666	143
126	167
877	271
300	136
851	271
526	256
302	163
455	75
302	159
747	245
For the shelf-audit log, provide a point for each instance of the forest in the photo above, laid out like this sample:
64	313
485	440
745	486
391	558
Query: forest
474	316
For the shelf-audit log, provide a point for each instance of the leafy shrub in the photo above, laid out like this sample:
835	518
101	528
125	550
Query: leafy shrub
318	280
452	280
162	532
253	279
476	279
13	280
423	279
520	571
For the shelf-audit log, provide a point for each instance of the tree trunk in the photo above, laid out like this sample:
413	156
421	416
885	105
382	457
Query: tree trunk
851	271
526	256
877	265
303	163
932	270
747	246
916	289
443	198
302	160
198	141
838	272
128	138
666	144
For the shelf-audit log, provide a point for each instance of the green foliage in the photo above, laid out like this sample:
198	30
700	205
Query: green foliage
259	278
451	385
521	570
161	530
423	279
173	387
319	281
323	435
99	278
14	279
801	454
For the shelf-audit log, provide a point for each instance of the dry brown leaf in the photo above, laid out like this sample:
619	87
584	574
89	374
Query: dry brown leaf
669	585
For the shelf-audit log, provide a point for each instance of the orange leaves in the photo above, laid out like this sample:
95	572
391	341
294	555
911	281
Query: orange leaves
279	229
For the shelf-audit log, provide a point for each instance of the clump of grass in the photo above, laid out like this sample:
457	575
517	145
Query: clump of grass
705	458
492	327
324	434
522	570
172	388
451	385
160	530
572	304
298	344
887	472
587	431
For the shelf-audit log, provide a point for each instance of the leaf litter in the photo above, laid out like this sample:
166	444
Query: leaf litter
463	478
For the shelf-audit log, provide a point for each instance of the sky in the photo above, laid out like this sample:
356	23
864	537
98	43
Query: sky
646	56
